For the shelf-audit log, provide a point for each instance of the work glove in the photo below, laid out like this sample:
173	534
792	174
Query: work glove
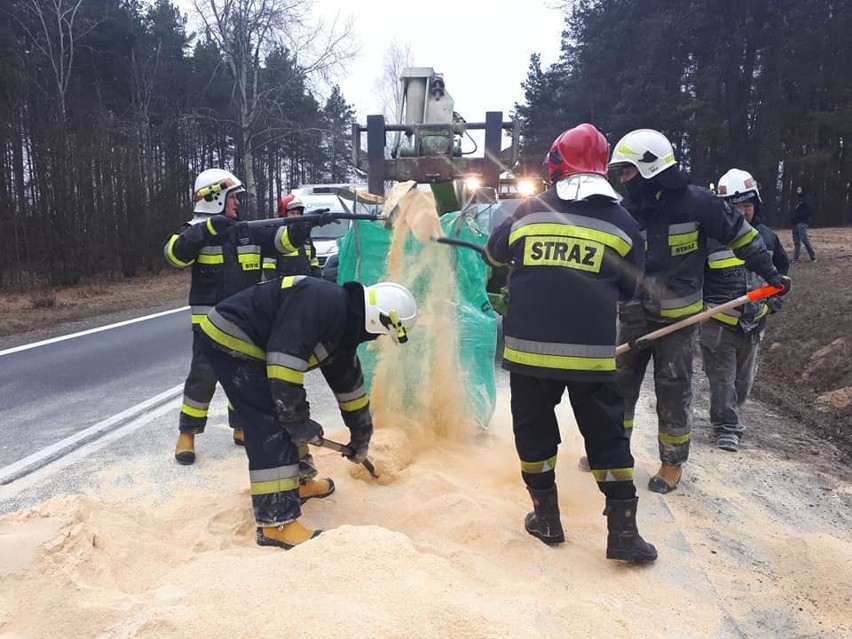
359	442
780	281
306	431
324	217
219	224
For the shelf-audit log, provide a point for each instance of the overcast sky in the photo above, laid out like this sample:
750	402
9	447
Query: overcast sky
482	47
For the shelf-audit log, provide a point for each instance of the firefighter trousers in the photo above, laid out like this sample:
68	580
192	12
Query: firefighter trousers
598	410
730	362
672	355
273	458
198	392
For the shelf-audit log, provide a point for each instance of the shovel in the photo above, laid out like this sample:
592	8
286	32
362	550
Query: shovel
752	296
345	450
311	216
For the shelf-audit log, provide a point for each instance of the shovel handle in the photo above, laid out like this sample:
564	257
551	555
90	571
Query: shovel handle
345	450
453	241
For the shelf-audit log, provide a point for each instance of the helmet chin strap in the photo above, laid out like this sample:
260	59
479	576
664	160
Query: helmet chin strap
394	324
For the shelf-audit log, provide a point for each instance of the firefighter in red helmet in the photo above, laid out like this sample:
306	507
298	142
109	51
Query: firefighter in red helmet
574	253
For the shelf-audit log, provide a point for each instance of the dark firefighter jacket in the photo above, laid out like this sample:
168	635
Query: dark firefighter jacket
221	265
726	278
677	224
570	264
302	261
295	324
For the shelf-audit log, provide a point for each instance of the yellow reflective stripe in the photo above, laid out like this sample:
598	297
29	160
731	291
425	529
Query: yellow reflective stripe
683	238
268	264
693	308
567	230
763	311
743	239
537	467
229	341
726	263
196	319
628	424
564	362
315	262
274	486
604	475
274	371
674	439
287	282
724	318
170	255
192	411
284	240
354	404
251	260
304	451
210	228
205	258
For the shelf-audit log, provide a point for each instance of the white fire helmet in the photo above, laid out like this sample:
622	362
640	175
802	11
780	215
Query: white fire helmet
390	309
212	187
648	150
738	186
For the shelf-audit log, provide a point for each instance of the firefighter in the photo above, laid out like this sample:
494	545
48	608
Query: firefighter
261	341
730	342
574	252
225	258
677	220
301	261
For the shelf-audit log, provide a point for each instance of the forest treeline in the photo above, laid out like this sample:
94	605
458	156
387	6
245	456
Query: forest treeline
761	85
110	108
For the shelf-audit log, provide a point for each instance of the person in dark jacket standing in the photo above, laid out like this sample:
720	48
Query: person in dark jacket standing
303	259
261	341
800	219
730	341
573	253
677	219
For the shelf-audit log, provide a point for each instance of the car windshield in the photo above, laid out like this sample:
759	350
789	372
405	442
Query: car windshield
339	227
489	216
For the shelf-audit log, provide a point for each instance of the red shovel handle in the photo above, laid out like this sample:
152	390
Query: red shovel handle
763	292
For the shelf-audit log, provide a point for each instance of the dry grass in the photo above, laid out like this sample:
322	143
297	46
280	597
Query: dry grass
46	307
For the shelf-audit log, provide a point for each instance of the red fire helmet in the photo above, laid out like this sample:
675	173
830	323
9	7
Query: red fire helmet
582	149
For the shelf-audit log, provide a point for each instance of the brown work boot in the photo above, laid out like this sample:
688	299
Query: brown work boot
319	488
285	536
239	437
185	449
666	479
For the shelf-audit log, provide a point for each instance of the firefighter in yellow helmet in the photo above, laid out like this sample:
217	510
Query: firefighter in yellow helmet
261	341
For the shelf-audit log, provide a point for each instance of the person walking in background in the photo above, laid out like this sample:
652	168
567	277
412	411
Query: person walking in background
677	219
261	342
800	219
574	252
730	341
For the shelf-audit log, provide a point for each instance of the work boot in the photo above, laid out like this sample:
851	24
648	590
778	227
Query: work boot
319	488
583	464
728	441
239	437
285	536
666	479
623	541
544	522
185	449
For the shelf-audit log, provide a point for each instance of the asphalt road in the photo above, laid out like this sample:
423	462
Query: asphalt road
62	394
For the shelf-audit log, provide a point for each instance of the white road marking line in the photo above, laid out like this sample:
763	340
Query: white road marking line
63	447
53	340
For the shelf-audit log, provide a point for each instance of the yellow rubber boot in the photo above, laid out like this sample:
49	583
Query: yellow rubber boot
285	536
239	437
319	488
666	479
185	449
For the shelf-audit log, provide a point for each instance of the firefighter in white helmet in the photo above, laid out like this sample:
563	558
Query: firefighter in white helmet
261	341
677	220
730	341
224	258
